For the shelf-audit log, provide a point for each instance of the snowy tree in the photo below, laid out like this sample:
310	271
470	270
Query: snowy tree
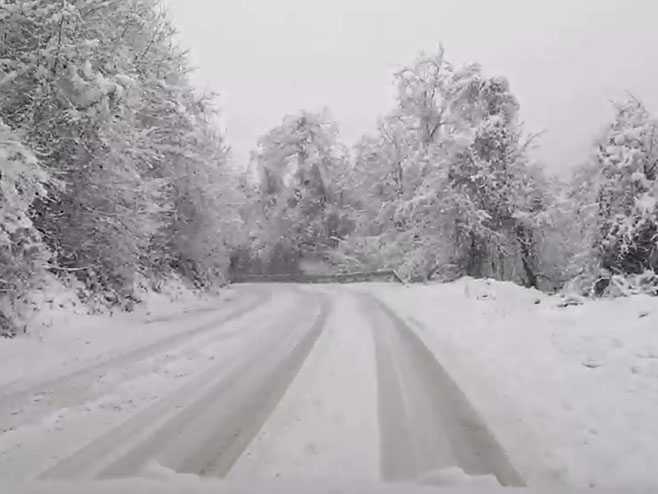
568	249
447	179
100	93
300	164
72	96
603	223
627	158
432	95
497	197
23	256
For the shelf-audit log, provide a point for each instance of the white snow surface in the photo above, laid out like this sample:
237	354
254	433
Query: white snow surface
570	392
62	336
117	394
327	419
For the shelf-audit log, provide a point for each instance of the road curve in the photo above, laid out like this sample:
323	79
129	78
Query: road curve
19	404
321	375
203	427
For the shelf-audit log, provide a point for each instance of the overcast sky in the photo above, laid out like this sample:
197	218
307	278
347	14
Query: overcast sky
565	59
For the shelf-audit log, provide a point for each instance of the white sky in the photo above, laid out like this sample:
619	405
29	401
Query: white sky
565	59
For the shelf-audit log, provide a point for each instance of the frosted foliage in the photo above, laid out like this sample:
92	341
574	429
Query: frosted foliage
300	165
446	178
114	172
99	93
627	160
21	250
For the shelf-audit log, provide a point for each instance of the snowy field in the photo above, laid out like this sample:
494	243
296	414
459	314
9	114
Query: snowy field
571	392
291	383
63	336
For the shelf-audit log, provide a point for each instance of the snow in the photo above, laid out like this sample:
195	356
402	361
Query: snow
646	203
62	336
115	395
161	481
326	421
456	476
570	392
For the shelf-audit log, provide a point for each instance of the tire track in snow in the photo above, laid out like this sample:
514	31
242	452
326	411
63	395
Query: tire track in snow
205	425
17	406
228	441
426	422
325	427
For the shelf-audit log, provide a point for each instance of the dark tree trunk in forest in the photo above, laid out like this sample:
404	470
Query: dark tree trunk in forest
524	238
476	256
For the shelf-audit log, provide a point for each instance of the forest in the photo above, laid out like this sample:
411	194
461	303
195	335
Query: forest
114	174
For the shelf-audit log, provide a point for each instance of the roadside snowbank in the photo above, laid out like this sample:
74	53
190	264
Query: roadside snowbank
571	392
62	336
104	414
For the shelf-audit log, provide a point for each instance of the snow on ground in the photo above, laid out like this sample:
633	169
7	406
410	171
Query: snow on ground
120	393
163	481
63	337
327	420
571	392
30	448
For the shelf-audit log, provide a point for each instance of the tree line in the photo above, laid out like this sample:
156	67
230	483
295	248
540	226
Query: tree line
113	173
111	169
446	186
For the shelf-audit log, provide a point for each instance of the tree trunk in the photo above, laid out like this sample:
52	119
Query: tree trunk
525	242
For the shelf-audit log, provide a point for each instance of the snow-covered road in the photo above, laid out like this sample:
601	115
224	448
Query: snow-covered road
286	381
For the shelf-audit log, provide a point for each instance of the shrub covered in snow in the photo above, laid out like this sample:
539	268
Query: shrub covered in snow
99	93
628	192
22	252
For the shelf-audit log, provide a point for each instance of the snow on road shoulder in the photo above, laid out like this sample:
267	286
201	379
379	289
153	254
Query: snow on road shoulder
325	426
63	337
122	393
570	392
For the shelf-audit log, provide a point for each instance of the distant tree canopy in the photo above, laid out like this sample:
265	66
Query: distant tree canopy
446	187
112	171
627	195
443	187
300	167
